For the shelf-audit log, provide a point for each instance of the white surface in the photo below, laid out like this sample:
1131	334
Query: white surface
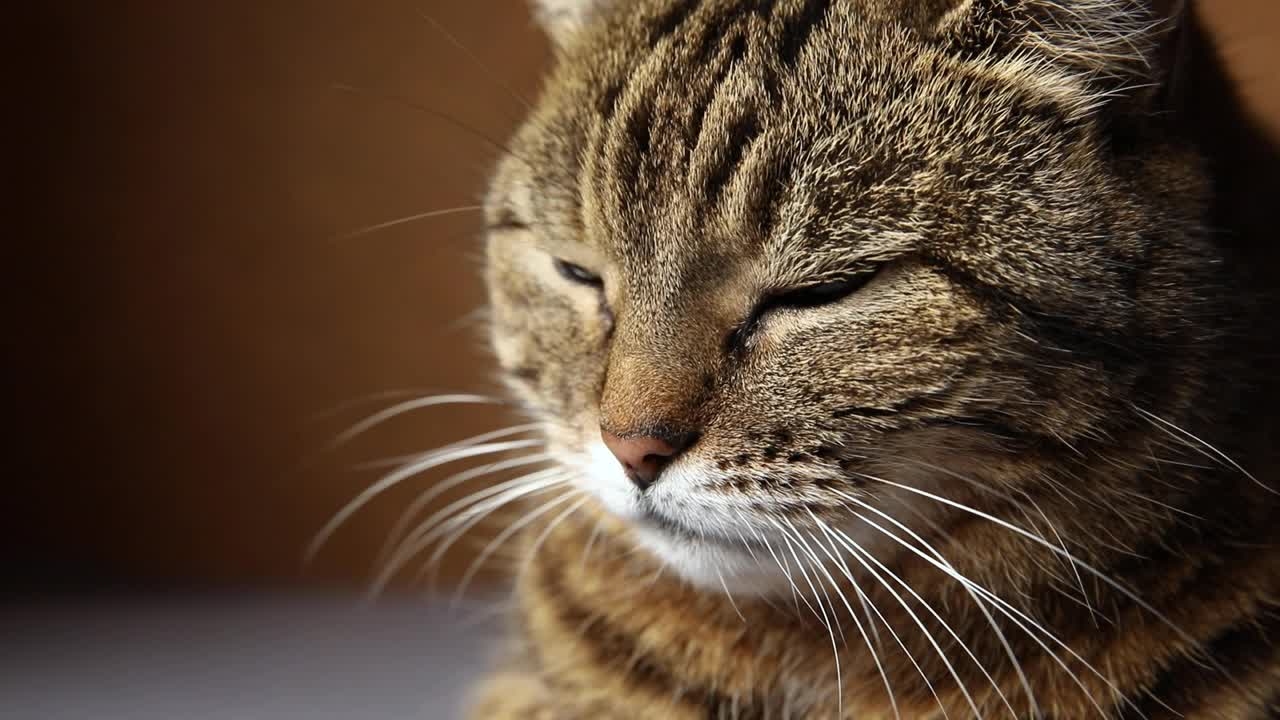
239	658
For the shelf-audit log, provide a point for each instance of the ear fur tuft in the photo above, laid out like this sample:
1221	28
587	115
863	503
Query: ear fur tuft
1108	52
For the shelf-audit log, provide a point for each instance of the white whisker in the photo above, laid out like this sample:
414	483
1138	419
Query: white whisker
1168	427
982	607
729	596
443	521
1084	596
785	565
796	595
835	649
515	527
591	541
398	409
1134	597
875	657
401	460
342	407
752	553
1015	616
428	461
368	229
862	552
546	532
856	550
451	527
473	516
425	499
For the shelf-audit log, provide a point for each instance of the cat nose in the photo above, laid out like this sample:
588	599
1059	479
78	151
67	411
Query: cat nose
645	455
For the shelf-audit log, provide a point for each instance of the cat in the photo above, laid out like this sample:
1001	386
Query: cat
900	359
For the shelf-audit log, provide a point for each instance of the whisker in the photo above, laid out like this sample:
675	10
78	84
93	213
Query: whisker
1014	615
427	497
729	596
591	541
835	650
398	409
912	592
391	479
471	518
752	553
402	460
448	119
420	108
441	521
858	552
813	558
875	657
796	595
1084	596
369	229
546	532
514	528
1118	587
982	607
844	568
335	410
1162	423
489	73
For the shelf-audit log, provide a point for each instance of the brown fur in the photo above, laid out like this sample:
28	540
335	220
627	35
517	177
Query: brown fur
1063	331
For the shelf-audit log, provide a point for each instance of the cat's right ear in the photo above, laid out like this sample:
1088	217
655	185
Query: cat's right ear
563	18
1117	56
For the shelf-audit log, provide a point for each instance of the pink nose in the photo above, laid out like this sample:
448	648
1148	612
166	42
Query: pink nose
644	456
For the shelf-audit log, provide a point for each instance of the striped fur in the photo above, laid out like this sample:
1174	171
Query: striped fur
1055	375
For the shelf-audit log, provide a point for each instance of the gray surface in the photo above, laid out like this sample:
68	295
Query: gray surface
239	658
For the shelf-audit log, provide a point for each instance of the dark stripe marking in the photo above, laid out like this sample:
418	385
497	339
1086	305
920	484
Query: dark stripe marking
741	134
609	101
673	19
614	649
1248	646
797	34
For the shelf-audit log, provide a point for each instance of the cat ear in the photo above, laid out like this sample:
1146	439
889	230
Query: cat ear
562	18
1119	54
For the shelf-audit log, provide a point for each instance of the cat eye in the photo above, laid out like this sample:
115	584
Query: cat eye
820	294
807	296
578	274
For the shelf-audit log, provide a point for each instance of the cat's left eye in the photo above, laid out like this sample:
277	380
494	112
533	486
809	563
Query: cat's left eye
578	274
808	296
822	293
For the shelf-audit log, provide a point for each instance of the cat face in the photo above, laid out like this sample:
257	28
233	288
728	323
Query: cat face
761	267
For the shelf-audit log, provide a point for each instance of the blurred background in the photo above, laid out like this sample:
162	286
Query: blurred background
189	325
192	327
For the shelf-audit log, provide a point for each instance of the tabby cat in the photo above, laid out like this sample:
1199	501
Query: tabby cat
900	358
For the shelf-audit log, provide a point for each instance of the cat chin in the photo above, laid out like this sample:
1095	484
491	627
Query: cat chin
710	565
704	562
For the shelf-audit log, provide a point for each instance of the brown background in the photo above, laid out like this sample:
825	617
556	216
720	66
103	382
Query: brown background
180	310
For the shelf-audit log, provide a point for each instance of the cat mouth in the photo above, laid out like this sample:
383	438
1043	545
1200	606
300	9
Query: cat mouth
655	519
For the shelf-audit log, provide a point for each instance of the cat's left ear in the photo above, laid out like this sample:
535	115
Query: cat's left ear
563	18
1172	52
1121	55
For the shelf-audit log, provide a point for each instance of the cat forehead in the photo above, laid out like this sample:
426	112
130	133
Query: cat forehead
712	137
743	162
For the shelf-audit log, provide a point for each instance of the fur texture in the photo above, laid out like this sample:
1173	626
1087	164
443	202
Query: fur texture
1017	464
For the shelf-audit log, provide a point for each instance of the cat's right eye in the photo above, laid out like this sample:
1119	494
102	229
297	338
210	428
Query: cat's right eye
578	274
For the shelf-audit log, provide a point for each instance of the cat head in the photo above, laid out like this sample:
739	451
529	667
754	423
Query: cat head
759	264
